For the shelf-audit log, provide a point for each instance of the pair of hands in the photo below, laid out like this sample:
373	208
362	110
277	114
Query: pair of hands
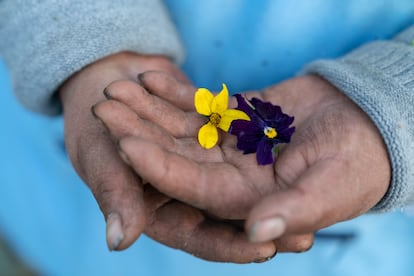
335	168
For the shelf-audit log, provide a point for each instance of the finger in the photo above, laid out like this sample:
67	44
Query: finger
167	87
294	243
200	236
155	109
287	243
215	187
176	92
318	199
115	187
122	122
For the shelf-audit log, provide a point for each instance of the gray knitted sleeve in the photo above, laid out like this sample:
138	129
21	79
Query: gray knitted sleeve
44	42
379	77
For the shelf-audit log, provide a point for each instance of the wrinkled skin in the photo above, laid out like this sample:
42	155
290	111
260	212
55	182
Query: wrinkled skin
128	206
335	168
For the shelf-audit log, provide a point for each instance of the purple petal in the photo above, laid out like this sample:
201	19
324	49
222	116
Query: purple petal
284	135
264	153
271	113
266	110
248	135
243	105
246	108
238	126
247	145
285	120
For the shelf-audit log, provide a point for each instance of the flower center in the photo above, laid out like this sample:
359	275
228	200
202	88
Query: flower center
215	119
270	132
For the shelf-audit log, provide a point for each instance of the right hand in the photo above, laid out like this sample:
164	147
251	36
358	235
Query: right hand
147	121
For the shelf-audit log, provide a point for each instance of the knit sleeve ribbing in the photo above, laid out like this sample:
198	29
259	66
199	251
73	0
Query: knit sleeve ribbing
379	78
45	42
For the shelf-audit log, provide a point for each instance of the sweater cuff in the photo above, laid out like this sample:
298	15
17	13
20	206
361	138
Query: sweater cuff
379	78
45	43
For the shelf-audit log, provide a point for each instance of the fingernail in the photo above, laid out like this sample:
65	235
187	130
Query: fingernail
266	259
141	77
267	230
99	119
107	95
114	233
124	157
93	111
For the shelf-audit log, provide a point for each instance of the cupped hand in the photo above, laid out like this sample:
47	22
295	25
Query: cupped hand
128	205
335	168
221	181
116	189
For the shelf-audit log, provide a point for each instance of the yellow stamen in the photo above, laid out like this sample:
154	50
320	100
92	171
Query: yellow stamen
270	132
215	119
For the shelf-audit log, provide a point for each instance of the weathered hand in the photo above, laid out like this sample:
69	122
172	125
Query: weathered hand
227	181
116	188
127	205
122	122
335	168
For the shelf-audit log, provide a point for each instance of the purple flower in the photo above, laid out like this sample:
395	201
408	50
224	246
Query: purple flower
268	127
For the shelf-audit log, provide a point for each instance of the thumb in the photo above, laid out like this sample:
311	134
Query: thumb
178	92
117	190
120	200
323	195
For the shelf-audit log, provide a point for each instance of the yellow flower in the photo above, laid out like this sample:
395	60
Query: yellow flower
216	109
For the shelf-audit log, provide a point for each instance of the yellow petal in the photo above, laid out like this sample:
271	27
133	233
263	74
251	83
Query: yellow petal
221	101
229	115
203	99
208	136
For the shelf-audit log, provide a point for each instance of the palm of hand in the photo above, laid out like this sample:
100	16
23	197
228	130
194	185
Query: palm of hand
335	168
228	181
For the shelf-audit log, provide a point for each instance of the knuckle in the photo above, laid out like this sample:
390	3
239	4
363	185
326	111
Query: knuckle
108	193
121	84
123	90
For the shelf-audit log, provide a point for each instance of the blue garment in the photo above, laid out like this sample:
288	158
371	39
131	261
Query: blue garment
52	221
249	45
253	44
